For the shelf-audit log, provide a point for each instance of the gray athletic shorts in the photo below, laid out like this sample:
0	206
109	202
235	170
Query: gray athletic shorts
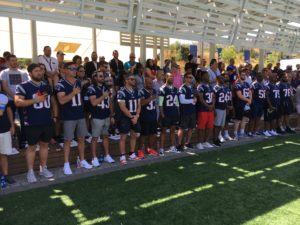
220	117
100	127
70	126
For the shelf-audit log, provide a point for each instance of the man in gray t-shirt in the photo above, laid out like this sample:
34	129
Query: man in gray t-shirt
11	77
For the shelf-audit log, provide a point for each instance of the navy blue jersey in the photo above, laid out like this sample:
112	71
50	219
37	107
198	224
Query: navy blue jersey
207	92
84	94
259	92
188	92
232	77
285	91
245	90
274	94
228	96
149	112
72	110
38	113
130	97
221	97
170	95
102	110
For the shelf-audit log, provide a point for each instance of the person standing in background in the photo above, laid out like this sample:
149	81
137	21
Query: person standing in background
92	66
51	65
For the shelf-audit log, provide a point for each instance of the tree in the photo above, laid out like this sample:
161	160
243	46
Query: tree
179	51
228	53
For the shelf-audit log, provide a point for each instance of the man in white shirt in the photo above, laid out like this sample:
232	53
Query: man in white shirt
213	72
51	65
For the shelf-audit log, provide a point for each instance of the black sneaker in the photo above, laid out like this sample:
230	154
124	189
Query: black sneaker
10	180
217	143
289	130
23	145
189	145
180	148
279	131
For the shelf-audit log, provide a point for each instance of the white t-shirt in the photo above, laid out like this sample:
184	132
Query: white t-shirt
51	63
13	77
213	76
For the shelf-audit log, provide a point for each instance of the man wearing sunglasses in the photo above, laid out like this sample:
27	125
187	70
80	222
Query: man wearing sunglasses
72	113
130	65
130	106
101	112
187	101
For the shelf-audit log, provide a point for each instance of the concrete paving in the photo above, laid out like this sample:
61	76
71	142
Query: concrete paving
79	173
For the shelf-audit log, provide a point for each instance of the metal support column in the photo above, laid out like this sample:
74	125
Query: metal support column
162	56
212	51
261	59
94	37
34	50
143	49
11	35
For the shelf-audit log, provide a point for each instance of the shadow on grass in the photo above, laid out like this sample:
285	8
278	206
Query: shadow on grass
234	186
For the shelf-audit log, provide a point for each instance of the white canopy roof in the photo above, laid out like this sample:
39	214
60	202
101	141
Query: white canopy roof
265	24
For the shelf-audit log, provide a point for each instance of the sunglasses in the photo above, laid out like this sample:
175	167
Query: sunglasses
190	77
72	69
132	57
101	76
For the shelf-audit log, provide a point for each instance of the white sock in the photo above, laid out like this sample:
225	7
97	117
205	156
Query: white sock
242	131
226	133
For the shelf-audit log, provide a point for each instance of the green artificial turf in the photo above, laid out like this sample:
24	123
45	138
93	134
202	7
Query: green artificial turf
248	184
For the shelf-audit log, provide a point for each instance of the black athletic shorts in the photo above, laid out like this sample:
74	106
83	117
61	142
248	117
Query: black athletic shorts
35	134
125	126
169	121
148	127
240	113
257	110
188	121
286	108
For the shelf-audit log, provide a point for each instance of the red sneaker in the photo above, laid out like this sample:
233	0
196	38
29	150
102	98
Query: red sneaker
151	151
141	154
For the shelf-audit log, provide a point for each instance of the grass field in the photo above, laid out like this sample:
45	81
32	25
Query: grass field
249	184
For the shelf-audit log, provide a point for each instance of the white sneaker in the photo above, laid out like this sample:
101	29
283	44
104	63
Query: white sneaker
109	159
85	164
273	132
200	146
45	172
207	145
267	134
236	138
133	157
222	140
173	149
123	160
73	144
31	177
95	162
161	152
228	138
67	169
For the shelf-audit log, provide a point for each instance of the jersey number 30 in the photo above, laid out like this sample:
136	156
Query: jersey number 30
44	104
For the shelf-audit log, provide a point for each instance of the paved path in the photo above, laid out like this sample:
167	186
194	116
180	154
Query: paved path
59	177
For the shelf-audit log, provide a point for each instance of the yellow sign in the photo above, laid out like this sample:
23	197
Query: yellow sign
67	47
